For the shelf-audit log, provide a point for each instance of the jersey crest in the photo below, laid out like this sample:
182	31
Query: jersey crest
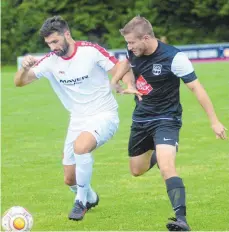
156	69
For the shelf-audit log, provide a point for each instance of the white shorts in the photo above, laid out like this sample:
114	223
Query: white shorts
102	126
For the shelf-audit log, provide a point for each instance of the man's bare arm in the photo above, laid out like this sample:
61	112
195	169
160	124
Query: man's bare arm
122	71
129	81
25	75
122	68
207	105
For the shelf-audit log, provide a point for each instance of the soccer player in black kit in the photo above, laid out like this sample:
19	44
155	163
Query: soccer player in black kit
157	69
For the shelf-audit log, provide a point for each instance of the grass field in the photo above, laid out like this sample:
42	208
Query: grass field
34	124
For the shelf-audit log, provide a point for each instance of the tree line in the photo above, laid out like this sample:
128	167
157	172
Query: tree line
182	22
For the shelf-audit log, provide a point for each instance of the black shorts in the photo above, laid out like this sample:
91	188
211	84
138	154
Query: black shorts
145	136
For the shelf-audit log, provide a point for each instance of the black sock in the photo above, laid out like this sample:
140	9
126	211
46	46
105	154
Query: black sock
153	160
176	193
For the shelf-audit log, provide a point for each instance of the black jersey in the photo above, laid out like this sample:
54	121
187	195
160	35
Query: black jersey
157	77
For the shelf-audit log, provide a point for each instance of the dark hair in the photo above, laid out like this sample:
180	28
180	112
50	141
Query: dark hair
54	24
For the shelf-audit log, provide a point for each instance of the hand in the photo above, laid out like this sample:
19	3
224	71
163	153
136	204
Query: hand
117	87
219	130
133	90
28	62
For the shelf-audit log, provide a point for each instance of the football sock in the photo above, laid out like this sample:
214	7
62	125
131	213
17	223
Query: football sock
91	195
84	165
176	193
153	160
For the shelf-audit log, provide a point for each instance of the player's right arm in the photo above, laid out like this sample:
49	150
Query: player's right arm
25	75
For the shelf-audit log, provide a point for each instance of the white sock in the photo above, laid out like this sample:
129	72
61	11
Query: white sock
84	164
91	195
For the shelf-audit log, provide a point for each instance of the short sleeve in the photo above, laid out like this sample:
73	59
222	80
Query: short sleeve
104	59
41	67
182	68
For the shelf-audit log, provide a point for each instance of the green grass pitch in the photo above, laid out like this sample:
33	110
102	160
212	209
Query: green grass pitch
34	126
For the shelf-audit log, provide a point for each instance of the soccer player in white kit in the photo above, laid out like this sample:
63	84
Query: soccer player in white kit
77	71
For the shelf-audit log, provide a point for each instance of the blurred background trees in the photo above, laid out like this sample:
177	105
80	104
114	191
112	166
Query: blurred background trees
182	22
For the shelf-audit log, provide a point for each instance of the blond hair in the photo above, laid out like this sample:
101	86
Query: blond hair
140	26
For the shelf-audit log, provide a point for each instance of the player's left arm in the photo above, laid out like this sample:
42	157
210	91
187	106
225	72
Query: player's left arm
122	71
117	70
205	101
109	63
182	68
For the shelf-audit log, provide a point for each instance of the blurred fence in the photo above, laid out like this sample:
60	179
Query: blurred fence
196	53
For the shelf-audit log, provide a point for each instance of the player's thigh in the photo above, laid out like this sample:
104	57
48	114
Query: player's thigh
167	132
139	140
97	131
166	139
84	143
139	148
166	155
140	164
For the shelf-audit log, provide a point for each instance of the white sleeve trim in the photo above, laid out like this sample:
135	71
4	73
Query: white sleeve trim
181	65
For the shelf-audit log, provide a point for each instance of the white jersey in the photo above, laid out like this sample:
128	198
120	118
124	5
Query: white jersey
80	81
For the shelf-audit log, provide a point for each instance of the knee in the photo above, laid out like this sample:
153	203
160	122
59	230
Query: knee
85	143
69	181
81	150
135	172
167	171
